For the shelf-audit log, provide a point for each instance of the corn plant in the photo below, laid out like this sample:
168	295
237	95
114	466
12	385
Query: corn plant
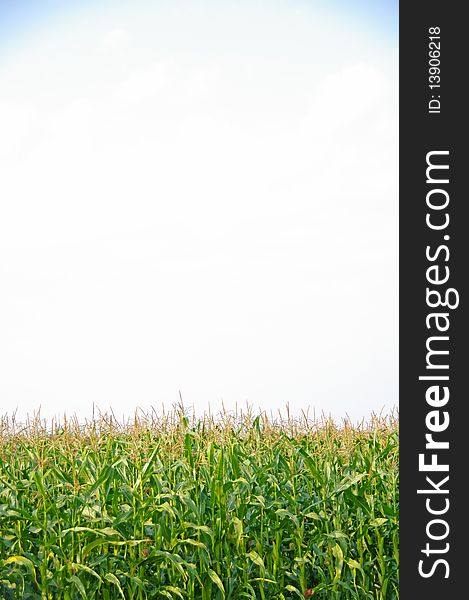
238	507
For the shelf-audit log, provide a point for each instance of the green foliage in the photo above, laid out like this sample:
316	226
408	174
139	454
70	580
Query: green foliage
232	509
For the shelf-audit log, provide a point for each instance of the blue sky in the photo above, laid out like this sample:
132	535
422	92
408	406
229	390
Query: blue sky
198	197
19	17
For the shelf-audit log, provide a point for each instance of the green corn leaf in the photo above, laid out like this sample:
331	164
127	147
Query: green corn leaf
113	579
79	585
217	581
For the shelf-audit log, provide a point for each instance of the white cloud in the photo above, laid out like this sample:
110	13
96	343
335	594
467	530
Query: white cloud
146	83
115	41
224	224
17	122
344	96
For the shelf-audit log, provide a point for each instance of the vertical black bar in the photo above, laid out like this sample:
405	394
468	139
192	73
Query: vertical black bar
434	529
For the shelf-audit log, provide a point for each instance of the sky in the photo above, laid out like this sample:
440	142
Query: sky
198	198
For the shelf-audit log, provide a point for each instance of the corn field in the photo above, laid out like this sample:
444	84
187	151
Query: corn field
238	507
